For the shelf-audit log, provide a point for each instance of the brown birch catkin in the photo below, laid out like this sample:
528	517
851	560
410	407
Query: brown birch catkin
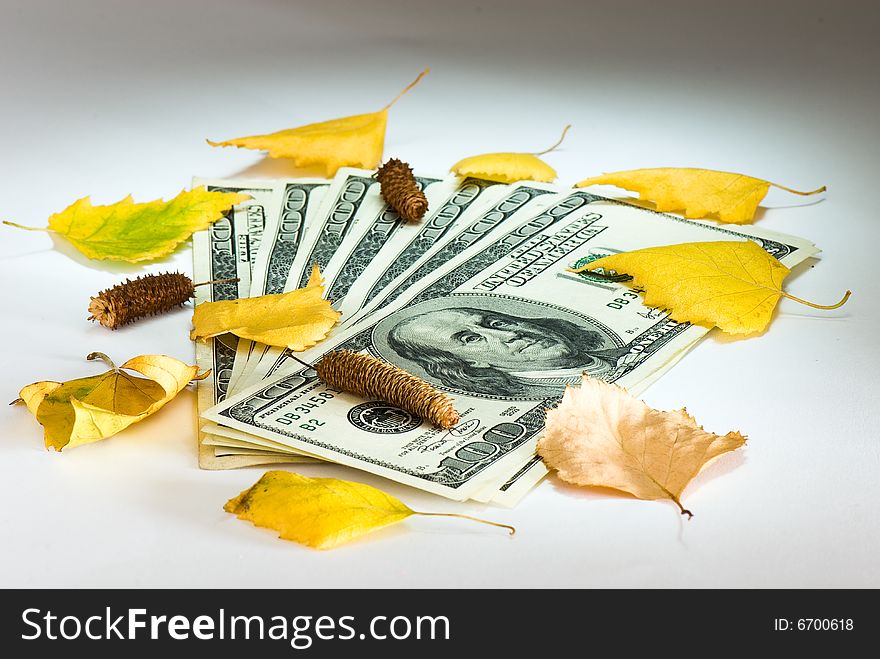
400	190
372	378
143	296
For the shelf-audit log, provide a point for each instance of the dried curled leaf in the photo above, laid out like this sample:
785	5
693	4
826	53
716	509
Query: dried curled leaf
89	409
509	167
321	512
126	231
602	436
698	193
733	285
295	320
356	141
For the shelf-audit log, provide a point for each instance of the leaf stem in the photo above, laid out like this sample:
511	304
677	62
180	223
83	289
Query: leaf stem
819	306
684	511
561	137
104	358
26	228
475	519
804	194
231	280
306	364
407	88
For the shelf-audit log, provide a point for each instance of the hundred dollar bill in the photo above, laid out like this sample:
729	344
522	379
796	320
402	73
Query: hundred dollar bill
282	235
248	226
407	244
411	241
215	258
334	221
250	219
222	252
353	195
499	331
376	223
331	225
265	200
247	442
533	201
489	213
514	202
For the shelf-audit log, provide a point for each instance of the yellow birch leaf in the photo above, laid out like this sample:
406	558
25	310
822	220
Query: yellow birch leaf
322	512
296	320
732	285
89	409
697	193
509	167
601	436
34	394
126	231
356	141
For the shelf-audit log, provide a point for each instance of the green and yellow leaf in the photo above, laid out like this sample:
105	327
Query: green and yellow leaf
126	231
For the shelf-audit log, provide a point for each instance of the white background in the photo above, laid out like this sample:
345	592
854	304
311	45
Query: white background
111	98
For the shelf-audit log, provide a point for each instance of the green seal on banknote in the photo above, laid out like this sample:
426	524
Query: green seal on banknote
599	274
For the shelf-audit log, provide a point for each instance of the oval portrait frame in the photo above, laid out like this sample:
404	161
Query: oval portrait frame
508	304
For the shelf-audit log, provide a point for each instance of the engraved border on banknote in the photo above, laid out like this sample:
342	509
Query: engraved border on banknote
340	214
223	266
291	227
255	216
528	466
247	414
381	228
774	248
474	232
433	229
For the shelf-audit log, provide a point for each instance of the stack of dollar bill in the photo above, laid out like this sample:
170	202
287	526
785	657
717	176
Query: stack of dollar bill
475	299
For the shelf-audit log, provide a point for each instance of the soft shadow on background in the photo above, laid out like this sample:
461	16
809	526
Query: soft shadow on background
116	97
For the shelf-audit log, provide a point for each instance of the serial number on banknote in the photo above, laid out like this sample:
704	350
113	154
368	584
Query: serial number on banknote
306	408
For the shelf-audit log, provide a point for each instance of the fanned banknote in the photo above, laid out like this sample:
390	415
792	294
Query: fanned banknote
223	254
485	310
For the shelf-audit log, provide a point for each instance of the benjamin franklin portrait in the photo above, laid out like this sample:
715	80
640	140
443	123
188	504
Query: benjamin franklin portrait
498	346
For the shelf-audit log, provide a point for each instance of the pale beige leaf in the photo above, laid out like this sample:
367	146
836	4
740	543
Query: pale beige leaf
602	436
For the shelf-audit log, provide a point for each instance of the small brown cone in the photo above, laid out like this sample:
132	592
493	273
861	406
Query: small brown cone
144	296
372	378
400	190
